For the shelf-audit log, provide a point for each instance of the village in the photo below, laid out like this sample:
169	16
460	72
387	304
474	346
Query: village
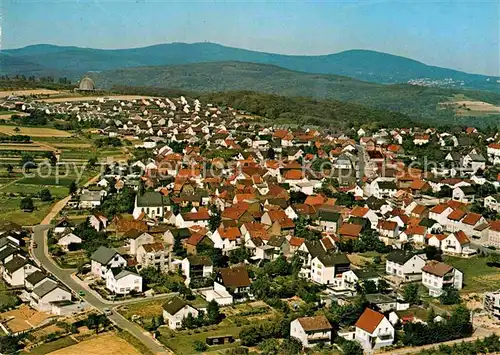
219	231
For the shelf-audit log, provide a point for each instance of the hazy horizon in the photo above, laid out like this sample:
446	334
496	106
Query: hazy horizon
457	35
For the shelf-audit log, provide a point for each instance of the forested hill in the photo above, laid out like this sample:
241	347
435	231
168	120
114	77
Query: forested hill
360	64
421	103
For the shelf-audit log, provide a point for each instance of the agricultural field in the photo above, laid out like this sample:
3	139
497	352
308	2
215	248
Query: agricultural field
34	131
6	93
105	344
478	275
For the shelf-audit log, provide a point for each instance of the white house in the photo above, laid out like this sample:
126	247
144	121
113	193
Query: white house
311	330
327	269
104	259
382	189
16	270
455	243
67	238
136	239
465	194
175	310
436	276
406	266
154	255
122	282
46	292
492	202
373	330
196	267
98	221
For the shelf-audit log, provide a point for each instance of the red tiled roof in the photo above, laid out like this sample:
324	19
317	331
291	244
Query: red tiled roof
314	323
296	241
462	237
438	209
369	320
437	268
359	211
350	230
471	218
456	215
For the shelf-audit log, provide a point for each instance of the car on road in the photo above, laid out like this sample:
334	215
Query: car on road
34	245
81	293
107	311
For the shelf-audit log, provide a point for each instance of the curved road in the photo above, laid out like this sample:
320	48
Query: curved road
64	275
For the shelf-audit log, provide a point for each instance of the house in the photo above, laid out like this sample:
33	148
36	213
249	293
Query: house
197	240
437	276
47	292
373	330
455	243
122	282
196	267
105	258
492	202
327	269
465	194
67	238
355	277
494	234
153	255
406	266
234	280
16	270
90	199
175	310
312	330
384	189
98	221
493	151
136	238
151	203
34	279
329	220
226	239
62	225
491	303
350	230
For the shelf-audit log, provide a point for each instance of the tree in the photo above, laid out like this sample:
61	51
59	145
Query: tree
199	346
27	204
93	321
369	286
10	169
16	129
433	253
269	346
73	188
189	322
410	293
291	346
431	314
27	162
92	161
51	157
215	219
213	312
382	286
45	195
450	296
271	154
351	348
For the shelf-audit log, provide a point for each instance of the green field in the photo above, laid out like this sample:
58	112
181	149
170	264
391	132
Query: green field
10	211
52	180
478	276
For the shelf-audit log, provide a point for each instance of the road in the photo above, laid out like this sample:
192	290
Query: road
64	275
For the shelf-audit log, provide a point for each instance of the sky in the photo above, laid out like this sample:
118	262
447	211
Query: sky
462	35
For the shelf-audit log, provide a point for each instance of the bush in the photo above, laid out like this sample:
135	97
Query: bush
199	346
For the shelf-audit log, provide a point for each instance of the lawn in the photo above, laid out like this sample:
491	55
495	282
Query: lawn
7	298
52	346
51	180
35	131
10	211
478	276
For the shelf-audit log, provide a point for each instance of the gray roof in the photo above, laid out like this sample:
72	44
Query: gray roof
334	259
91	196
174	305
400	256
152	199
387	185
35	277
103	255
15	264
7	251
328	215
199	260
377	298
46	287
276	241
124	273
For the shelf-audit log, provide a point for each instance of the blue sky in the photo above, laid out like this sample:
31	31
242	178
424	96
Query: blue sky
457	34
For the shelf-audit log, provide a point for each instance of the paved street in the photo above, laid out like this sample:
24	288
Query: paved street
64	276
